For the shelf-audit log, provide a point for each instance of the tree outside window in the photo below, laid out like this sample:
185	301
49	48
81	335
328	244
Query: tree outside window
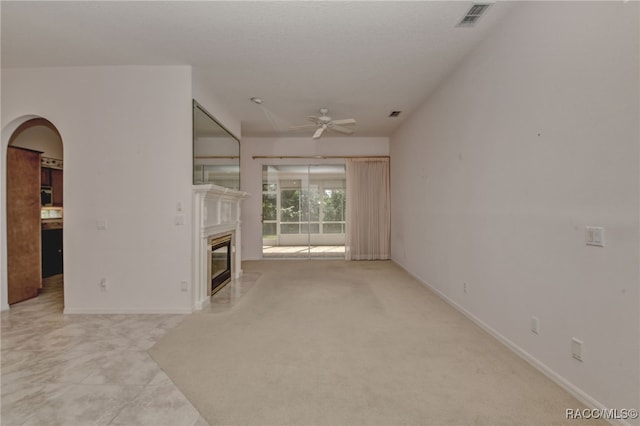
313	210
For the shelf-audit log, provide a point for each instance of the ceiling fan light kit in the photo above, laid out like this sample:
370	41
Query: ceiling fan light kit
324	122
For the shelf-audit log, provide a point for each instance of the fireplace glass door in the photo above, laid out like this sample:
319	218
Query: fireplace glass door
220	263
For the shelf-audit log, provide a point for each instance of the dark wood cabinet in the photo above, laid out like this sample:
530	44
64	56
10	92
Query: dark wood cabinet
45	176
51	252
53	178
23	224
56	187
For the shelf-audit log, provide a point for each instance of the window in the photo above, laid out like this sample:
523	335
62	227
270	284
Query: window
269	210
304	206
333	211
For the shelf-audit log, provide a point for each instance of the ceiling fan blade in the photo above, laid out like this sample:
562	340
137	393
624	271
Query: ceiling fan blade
341	129
303	127
345	121
318	132
313	118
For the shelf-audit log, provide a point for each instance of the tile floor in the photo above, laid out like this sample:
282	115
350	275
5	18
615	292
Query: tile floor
230	294
85	369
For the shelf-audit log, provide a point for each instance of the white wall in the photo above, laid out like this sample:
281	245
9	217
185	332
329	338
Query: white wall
127	139
204	94
251	172
534	137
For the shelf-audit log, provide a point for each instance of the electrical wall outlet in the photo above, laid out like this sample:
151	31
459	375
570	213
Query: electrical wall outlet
184	286
535	324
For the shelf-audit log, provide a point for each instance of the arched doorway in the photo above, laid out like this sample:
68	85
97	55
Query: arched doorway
34	209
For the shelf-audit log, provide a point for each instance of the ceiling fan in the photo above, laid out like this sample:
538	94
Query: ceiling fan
324	122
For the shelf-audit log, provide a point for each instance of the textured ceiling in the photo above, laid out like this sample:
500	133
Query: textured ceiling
359	59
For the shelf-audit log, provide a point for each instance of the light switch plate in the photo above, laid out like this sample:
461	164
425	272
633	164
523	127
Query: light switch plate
101	225
594	236
576	348
179	219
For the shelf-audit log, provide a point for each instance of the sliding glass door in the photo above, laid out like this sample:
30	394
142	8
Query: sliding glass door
303	211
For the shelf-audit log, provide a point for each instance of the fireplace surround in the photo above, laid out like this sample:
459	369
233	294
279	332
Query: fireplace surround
216	220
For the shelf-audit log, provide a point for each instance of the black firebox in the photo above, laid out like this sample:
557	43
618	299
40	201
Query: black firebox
220	263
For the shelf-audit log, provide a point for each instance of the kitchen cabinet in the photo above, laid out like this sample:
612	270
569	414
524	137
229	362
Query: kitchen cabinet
56	187
53	178
23	224
45	176
51	252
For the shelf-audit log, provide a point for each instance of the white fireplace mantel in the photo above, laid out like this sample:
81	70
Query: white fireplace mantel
216	212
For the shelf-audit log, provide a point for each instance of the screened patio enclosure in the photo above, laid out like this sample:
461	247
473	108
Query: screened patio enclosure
303	211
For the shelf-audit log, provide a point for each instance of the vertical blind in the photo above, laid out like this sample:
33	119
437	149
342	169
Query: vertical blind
368	218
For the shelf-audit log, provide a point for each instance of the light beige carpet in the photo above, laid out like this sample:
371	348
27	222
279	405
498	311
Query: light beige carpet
351	343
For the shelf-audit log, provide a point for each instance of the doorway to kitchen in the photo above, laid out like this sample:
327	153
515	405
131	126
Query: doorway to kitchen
34	210
303	211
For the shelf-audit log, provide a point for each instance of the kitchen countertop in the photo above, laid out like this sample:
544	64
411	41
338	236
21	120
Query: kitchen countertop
49	224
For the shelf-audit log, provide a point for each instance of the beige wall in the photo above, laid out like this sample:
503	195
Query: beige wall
127	160
533	137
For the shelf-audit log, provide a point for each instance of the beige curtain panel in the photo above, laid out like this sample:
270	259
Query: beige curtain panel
368	209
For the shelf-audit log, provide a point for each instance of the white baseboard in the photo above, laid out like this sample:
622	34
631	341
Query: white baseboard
4	307
578	393
116	311
201	304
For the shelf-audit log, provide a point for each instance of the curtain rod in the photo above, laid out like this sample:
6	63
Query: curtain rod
228	157
319	157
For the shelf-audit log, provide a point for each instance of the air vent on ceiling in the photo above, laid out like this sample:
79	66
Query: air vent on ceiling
395	113
474	14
